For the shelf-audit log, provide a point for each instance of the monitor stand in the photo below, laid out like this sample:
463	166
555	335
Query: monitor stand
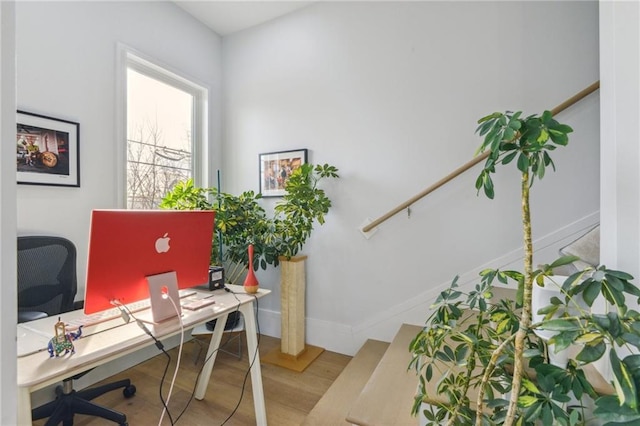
161	307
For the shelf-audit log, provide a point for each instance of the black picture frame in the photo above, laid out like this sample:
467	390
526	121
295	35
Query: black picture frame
276	167
48	150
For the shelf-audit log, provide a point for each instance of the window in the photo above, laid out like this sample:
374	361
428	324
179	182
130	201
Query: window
164	132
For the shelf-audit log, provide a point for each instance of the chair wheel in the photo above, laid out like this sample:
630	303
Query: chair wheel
129	391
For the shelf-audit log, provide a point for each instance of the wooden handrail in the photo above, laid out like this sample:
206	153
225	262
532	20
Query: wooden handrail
566	104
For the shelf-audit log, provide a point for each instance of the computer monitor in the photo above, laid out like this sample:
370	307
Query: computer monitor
127	246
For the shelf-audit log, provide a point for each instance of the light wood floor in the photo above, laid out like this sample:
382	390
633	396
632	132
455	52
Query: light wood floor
289	396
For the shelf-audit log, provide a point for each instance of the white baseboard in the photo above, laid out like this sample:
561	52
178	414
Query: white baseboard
341	336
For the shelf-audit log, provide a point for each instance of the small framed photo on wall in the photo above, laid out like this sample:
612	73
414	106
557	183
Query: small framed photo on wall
275	169
47	150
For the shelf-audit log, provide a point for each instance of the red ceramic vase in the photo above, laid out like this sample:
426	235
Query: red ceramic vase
251	284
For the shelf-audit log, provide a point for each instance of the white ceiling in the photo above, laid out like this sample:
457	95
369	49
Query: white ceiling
227	17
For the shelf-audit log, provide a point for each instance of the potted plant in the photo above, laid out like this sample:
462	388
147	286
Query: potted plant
474	350
241	220
303	204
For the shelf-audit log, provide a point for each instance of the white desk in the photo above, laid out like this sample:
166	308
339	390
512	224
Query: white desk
111	340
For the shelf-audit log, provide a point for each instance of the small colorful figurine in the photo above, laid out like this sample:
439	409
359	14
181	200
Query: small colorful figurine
62	341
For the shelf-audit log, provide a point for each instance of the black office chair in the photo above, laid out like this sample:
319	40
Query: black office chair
47	285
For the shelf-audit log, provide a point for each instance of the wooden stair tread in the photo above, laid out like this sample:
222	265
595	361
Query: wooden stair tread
388	395
334	405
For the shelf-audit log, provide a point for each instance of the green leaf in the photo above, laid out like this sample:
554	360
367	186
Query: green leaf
609	409
555	301
591	292
574	417
479	181
547	160
540	172
503	326
529	385
562	261
633	363
547	309
508	134
543	137
527	400
564	339
631	289
532	413
547	415
558	138
601	321
560	324
488	187
588	337
492	116
429	372
614	324
577	389
509	157
623	383
570	283
615	283
484	128
514	123
612	293
632	339
619	274
563	128
523	163
591	353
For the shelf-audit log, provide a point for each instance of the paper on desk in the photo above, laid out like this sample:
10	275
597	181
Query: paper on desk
30	341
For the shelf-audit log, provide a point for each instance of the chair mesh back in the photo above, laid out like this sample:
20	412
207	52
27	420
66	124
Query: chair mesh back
47	279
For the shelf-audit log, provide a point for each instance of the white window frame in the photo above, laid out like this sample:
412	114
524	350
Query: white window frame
130	58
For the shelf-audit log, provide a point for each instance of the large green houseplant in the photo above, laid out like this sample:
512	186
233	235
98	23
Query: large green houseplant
241	220
481	357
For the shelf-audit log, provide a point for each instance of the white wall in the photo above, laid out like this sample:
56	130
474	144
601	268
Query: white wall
66	68
620	109
620	144
389	92
8	387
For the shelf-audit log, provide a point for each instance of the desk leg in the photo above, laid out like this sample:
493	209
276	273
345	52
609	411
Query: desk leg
256	372
24	406
212	352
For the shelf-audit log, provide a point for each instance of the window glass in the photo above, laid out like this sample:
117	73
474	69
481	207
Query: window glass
161	148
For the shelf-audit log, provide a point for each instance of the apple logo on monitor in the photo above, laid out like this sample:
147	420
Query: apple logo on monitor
162	243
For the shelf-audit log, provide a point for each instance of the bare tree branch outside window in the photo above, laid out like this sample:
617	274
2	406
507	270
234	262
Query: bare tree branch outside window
153	166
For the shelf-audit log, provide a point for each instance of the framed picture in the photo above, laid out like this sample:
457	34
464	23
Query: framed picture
275	169
47	150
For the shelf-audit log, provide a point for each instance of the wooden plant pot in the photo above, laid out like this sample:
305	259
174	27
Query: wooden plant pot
294	353
292	310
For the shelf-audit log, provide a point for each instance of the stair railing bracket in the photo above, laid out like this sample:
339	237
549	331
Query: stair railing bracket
371	232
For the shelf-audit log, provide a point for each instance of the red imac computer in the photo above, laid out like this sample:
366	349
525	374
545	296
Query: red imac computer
128	246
